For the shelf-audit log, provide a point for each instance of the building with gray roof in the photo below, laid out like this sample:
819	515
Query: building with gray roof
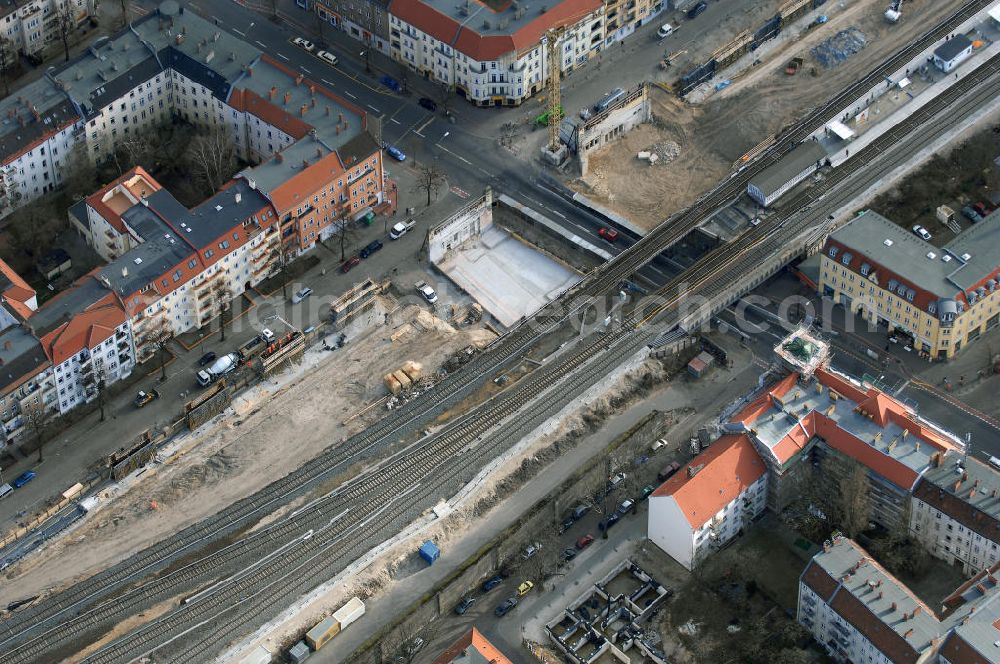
794	167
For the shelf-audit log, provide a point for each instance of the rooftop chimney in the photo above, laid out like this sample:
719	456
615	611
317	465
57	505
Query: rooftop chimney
319	153
303	109
908	633
274	91
239	197
278	158
893	606
288	98
327	110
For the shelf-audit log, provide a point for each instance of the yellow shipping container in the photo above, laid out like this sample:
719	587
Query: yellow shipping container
323	632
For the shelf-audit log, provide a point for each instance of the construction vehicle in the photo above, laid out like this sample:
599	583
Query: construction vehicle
543	119
401	228
219	368
144	397
793	66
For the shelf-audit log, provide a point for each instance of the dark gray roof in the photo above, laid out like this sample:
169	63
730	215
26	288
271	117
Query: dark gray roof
21	354
196	71
794	162
78	211
118	86
67	304
952	47
221	213
21	132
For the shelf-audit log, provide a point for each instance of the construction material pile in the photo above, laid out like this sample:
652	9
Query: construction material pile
662	152
839	47
403	378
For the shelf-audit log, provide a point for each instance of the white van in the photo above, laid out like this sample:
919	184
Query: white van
665	31
6	490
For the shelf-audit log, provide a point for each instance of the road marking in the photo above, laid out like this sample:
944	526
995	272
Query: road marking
459	192
305	70
241	34
559	213
349	94
486	172
423	126
283	56
262	44
217	20
394	120
457	156
374	109
327	82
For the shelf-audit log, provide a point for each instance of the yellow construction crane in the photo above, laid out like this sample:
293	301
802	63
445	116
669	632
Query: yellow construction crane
554	55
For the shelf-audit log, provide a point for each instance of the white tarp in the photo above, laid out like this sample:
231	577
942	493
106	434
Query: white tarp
842	131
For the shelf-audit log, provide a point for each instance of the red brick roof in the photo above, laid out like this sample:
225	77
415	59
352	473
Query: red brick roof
481	47
958	651
269	111
721	473
18	293
474	639
112	217
85	329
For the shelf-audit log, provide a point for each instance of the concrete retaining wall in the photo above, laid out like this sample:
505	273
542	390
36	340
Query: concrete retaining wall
613	124
471	221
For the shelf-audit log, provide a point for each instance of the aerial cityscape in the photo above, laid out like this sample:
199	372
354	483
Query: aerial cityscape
500	331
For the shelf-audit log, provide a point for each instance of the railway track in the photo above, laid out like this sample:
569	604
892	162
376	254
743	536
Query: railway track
447	457
153	559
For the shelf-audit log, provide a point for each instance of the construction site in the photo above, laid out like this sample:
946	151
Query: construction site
703	135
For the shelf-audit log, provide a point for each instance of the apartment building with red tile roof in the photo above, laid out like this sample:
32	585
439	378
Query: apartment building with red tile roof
831	416
709	500
17	296
493	53
472	648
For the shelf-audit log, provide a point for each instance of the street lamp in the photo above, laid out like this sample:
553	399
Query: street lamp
368	63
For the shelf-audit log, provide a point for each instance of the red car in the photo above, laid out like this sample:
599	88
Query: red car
584	542
608	234
982	209
349	263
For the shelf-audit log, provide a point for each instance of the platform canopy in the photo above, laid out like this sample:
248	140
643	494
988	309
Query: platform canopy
842	131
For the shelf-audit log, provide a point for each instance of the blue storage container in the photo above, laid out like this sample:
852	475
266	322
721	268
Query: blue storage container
429	552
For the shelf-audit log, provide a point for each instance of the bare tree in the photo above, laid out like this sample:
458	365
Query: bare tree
345	231
9	64
124	8
158	336
65	24
445	95
132	150
404	75
278	255
430	179
211	157
853	500
222	298
36	424
80	175
102	397
508	131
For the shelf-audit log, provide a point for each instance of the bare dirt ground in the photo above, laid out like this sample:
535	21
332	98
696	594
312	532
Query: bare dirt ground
713	134
247	448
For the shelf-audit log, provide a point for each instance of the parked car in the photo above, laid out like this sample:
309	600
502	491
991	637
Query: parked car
428	103
304	44
24	478
982	208
971	214
569	553
665	31
5	490
301	295
566	524
372	247
922	232
464	605
395	153
531	551
349	263
658	445
626	506
207	358
391	83
696	11
144	397
492	583
585	541
646	491
609	234
327	57
667	471
606	524
580	511
615	481
504	607
426	291
524	588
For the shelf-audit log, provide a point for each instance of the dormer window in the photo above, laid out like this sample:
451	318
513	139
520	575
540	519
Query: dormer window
865	269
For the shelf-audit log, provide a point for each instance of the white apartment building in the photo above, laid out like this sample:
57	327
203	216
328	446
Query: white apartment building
709	501
31	26
955	512
492	58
